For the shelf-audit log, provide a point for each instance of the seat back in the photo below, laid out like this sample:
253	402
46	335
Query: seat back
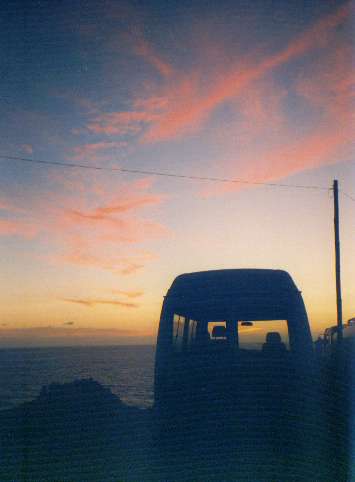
273	343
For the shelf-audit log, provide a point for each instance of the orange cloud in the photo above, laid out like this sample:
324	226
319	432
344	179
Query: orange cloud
64	335
37	332
129	294
93	302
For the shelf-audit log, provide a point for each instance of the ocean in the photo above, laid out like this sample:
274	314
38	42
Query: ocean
127	370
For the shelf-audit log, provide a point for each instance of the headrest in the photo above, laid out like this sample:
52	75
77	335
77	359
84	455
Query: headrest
273	337
219	331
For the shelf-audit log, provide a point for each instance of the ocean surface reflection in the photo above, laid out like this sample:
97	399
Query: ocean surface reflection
127	370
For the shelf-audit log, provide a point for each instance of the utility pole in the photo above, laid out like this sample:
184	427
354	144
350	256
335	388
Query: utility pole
337	261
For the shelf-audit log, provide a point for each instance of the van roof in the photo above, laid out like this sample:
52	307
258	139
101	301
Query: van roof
225	282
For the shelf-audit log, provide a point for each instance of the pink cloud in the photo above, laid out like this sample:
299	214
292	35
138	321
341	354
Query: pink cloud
101	241
95	151
145	50
18	221
187	99
87	222
270	143
316	148
259	111
123	265
309	152
121	123
100	230
329	84
8	205
190	104
184	100
17	228
121	206
317	36
151	104
115	221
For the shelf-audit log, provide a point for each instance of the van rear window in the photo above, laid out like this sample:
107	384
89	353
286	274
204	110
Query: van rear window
260	334
255	335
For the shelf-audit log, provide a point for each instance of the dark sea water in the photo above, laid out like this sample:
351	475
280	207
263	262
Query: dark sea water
126	370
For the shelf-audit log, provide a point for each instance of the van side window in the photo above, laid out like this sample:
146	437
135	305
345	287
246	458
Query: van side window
178	331
192	332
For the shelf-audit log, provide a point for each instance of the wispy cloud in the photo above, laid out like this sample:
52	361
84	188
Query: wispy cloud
191	104
8	205
121	123
146	51
96	151
117	221
93	302
118	206
129	294
182	102
89	224
66	335
283	147
126	264
329	84
17	228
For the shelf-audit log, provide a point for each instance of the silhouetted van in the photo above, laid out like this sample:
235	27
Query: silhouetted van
331	335
234	337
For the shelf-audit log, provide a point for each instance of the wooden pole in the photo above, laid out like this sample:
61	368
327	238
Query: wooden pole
337	261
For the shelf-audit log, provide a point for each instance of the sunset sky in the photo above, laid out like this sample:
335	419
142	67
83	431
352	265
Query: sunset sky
258	91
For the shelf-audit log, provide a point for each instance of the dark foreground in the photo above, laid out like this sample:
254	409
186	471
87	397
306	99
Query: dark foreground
82	432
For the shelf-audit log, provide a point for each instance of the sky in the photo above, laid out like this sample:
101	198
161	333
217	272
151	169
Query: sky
257	91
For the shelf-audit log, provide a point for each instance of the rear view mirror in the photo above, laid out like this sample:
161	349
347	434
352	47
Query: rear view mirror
246	323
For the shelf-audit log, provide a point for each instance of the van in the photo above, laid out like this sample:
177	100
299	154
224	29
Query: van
233	337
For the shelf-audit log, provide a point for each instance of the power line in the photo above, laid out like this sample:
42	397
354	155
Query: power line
159	173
